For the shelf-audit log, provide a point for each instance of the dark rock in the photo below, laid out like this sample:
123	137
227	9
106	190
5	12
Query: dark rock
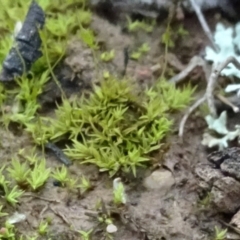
226	195
26	49
228	161
160	8
207	175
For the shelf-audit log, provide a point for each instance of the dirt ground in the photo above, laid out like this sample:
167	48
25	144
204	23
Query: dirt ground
173	210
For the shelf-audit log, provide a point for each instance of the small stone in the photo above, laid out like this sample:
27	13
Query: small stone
160	179
206	176
207	173
226	195
231	167
111	228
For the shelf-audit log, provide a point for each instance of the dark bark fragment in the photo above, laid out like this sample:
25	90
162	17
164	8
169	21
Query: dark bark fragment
26	49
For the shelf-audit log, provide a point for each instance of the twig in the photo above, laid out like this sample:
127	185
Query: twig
209	92
43	211
194	62
227	102
235	229
203	23
41	198
213	79
61	216
188	113
90	213
232	60
170	18
61	157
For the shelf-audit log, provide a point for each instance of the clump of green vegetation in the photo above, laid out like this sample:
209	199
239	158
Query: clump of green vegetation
114	128
167	37
61	175
206	201
88	37
11	194
143	49
86	235
2	214
33	174
119	195
108	56
8	232
39	175
170	34
134	26
85	184
43	227
220	234
19	171
182	32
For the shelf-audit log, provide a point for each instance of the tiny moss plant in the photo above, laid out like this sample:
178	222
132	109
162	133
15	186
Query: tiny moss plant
43	227
108	56
38	175
119	195
31	157
2	214
114	128
167	37
12	194
34	237
106	74
134	26
85	184
181	31
143	49
8	232
20	172
88	37
61	175
86	235
72	185
206	201
220	234
25	101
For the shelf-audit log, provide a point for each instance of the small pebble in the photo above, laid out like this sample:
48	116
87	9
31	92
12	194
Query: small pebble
160	179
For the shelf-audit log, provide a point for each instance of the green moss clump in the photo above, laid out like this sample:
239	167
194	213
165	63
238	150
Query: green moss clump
114	128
